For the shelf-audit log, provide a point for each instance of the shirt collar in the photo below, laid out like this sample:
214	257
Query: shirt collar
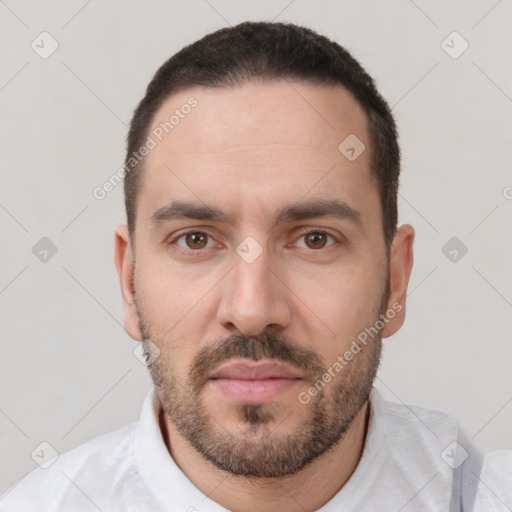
158	469
171	486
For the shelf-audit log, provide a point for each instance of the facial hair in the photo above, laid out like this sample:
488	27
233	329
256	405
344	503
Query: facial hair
260	451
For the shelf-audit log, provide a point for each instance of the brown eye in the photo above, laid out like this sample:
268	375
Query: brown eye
315	240
196	240
193	240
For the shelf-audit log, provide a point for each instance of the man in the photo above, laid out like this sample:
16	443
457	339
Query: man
260	267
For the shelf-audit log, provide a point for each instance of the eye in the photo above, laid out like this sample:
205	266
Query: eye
194	240
316	239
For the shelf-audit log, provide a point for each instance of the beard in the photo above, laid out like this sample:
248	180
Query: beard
257	449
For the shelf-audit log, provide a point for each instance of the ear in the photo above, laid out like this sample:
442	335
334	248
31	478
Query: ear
125	270
400	266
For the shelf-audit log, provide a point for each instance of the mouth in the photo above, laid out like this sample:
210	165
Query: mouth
254	382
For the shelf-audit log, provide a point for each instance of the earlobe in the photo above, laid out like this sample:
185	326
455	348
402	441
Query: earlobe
125	267
400	266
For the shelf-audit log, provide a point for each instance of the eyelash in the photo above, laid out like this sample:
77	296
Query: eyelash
192	231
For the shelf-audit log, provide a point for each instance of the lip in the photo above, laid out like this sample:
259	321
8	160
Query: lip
255	370
254	382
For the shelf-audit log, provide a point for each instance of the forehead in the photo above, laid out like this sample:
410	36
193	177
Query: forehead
257	140
261	112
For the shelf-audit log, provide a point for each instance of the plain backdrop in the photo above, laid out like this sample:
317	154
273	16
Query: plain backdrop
68	372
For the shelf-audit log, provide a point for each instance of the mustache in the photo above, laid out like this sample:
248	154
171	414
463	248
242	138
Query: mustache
255	348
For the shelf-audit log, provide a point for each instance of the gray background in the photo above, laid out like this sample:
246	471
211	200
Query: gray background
67	368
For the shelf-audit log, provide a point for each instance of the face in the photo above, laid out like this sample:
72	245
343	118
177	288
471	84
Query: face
258	259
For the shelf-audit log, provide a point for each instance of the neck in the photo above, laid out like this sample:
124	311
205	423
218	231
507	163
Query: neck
307	490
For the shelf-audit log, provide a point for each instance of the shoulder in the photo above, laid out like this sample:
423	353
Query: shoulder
404	422
495	482
424	445
103	462
429	442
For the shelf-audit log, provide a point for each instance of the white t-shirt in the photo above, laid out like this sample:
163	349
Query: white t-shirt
414	460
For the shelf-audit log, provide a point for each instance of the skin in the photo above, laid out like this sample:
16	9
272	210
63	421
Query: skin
249	151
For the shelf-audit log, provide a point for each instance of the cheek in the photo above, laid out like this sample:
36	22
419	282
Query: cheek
176	309
170	291
351	290
340	308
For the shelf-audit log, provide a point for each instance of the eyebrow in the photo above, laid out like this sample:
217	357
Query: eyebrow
185	210
321	208
300	211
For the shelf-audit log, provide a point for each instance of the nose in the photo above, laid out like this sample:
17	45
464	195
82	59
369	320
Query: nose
254	298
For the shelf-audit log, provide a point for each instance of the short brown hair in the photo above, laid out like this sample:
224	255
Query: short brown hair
270	51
